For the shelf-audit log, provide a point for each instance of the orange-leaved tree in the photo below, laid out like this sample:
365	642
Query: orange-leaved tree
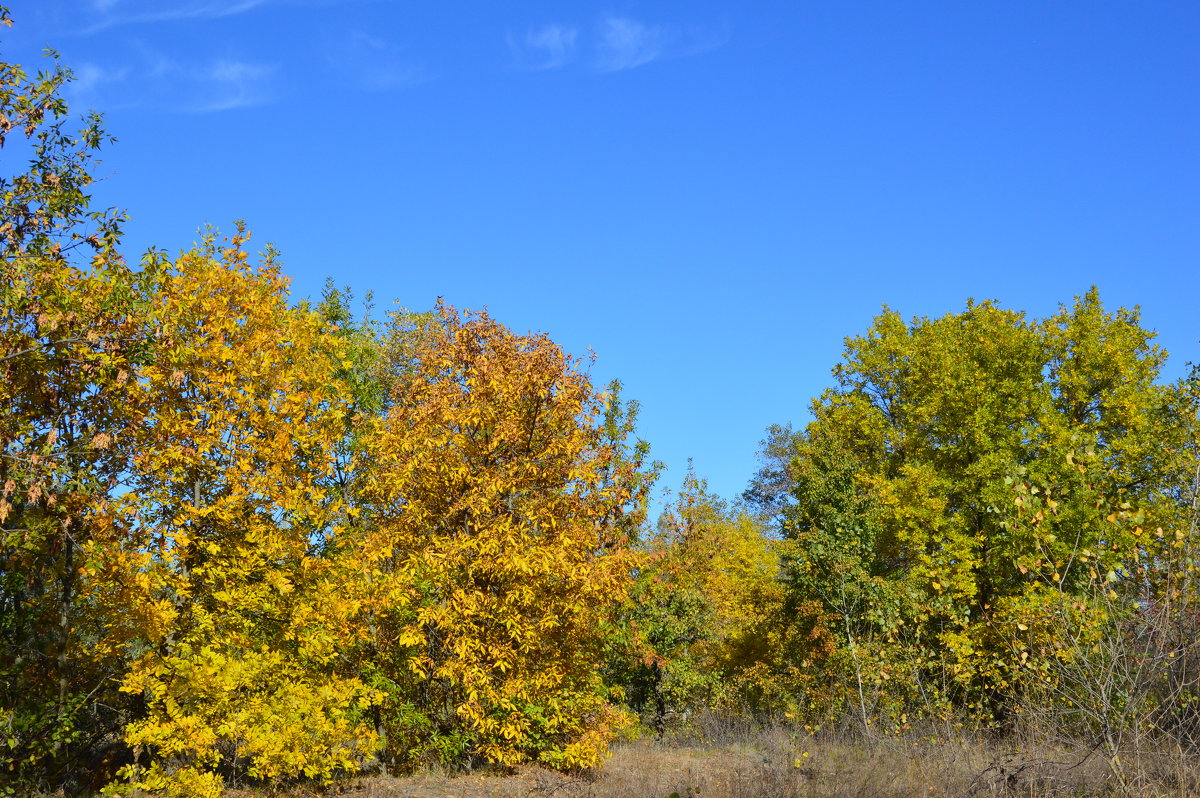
500	495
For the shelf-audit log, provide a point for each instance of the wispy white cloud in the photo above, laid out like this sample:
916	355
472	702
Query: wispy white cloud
226	84
90	81
380	77
135	12
625	43
372	63
614	44
547	47
151	79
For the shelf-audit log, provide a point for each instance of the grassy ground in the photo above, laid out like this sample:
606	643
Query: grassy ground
778	764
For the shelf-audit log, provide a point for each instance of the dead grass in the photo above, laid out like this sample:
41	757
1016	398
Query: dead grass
776	763
780	766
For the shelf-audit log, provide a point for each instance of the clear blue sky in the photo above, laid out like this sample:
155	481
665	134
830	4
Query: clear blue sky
710	195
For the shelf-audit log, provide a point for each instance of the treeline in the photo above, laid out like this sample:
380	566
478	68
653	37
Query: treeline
248	539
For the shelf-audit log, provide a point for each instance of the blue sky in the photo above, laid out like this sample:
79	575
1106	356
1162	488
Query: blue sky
710	195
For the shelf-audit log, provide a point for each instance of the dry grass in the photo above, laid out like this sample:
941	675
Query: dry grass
776	763
721	758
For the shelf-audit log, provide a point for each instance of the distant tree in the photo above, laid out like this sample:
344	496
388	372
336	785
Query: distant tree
769	492
708	613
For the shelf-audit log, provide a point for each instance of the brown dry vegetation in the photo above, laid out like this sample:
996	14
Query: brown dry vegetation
724	761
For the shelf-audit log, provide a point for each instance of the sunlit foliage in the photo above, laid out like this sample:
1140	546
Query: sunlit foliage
908	486
495	551
708	616
240	416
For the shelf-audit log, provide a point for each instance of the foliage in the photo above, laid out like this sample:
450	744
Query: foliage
770	490
71	331
1125	673
709	615
240	418
904	520
496	550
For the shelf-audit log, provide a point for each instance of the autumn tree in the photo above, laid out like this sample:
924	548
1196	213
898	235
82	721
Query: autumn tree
72	329
227	508
905	487
500	499
707	614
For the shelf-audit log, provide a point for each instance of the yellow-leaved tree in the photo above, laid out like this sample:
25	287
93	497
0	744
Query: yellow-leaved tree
240	420
500	494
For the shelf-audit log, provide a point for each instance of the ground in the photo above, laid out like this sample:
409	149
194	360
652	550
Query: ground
777	764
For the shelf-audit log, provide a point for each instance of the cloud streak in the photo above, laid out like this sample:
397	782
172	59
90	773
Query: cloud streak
371	63
547	47
157	81
614	44
227	84
626	43
90	81
140	13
